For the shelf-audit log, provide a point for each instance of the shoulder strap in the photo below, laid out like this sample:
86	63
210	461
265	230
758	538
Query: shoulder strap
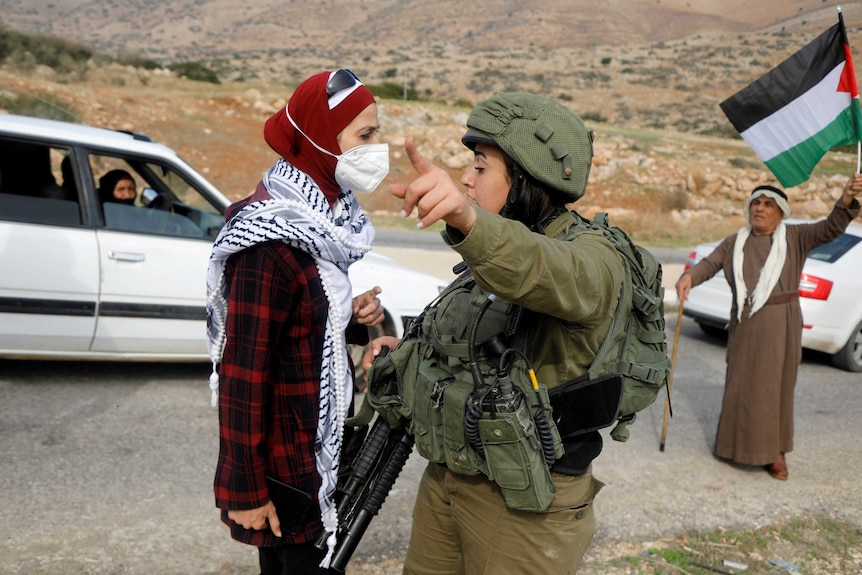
565	220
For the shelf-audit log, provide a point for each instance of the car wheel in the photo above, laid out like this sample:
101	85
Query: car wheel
357	351
850	356
712	330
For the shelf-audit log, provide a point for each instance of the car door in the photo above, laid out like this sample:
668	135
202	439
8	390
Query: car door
153	294
49	260
153	257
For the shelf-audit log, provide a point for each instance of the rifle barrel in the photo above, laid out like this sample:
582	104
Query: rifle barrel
351	536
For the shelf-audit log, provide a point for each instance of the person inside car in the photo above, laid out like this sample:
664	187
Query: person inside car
118	186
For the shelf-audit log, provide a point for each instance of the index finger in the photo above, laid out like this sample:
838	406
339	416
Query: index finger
366	297
417	160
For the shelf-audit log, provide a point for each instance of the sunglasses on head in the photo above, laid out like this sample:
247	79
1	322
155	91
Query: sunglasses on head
341	80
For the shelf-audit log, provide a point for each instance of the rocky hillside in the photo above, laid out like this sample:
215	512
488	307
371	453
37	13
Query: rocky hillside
453	50
667	187
667	164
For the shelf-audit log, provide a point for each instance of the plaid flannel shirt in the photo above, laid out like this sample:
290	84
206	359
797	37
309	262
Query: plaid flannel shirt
270	383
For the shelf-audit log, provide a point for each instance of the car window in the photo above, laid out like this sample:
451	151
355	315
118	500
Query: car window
33	188
164	202
833	251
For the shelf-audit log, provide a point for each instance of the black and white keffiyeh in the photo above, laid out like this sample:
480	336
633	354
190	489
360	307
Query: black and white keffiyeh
299	215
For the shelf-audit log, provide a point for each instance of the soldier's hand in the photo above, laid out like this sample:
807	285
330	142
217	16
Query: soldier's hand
434	195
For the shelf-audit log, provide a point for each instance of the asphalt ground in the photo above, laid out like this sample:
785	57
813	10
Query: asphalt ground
106	469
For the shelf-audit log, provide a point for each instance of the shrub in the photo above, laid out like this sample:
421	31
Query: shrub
60	55
393	91
593	116
137	61
37	107
194	71
674	199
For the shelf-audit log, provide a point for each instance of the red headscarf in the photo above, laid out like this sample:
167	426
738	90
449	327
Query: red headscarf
309	108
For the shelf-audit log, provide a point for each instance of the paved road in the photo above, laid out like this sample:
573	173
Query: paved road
106	469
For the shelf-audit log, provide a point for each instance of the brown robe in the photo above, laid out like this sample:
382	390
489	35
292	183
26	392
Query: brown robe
764	351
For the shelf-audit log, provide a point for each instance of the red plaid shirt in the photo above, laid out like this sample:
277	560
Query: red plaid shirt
269	383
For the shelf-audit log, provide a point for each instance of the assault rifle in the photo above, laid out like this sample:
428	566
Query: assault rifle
370	478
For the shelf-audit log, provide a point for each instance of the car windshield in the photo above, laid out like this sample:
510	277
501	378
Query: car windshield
833	251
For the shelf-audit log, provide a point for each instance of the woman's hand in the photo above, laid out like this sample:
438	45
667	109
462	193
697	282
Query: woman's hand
257	518
374	348
367	309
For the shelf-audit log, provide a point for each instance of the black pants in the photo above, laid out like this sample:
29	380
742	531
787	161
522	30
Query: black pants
302	559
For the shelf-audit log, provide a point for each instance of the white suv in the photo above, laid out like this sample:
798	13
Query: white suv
81	280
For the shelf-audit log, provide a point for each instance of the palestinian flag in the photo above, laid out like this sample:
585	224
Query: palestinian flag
794	114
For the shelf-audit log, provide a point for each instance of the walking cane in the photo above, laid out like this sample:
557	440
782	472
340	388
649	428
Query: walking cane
670	377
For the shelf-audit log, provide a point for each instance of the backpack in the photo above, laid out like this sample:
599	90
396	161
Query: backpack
636	345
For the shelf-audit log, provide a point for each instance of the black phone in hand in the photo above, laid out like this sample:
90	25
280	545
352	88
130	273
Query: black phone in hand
291	504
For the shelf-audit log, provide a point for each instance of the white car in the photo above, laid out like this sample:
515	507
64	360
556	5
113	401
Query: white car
120	282
829	291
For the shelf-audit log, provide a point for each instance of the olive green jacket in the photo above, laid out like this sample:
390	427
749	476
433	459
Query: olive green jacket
573	283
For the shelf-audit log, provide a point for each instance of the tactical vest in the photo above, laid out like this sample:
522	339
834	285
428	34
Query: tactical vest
477	408
472	408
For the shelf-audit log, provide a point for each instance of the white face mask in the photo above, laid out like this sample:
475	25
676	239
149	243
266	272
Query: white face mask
360	169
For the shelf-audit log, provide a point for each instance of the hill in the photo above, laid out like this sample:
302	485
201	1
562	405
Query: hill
446	49
667	164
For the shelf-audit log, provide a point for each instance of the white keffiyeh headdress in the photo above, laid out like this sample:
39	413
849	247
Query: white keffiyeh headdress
299	215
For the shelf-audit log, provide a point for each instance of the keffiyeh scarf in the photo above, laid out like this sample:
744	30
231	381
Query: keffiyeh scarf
769	275
299	215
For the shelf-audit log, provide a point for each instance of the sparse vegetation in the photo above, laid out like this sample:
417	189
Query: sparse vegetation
26	51
642	177
812	545
195	71
38	107
393	91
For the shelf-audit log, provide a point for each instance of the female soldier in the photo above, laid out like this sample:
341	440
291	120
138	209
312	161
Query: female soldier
531	157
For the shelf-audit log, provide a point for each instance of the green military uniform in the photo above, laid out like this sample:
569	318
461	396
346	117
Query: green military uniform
461	522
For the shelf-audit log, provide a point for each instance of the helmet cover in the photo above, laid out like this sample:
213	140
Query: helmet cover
545	138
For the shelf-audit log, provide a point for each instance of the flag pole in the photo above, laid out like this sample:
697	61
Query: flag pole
847	43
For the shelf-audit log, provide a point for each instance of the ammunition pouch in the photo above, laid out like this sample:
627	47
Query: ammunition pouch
514	454
427	386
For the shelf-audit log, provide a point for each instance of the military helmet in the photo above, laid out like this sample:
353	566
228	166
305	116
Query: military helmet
545	138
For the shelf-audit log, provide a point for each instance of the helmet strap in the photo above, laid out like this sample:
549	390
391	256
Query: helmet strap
516	193
520	205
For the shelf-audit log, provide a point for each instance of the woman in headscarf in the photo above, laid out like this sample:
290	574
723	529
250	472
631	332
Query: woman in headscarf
762	263
117	186
278	311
